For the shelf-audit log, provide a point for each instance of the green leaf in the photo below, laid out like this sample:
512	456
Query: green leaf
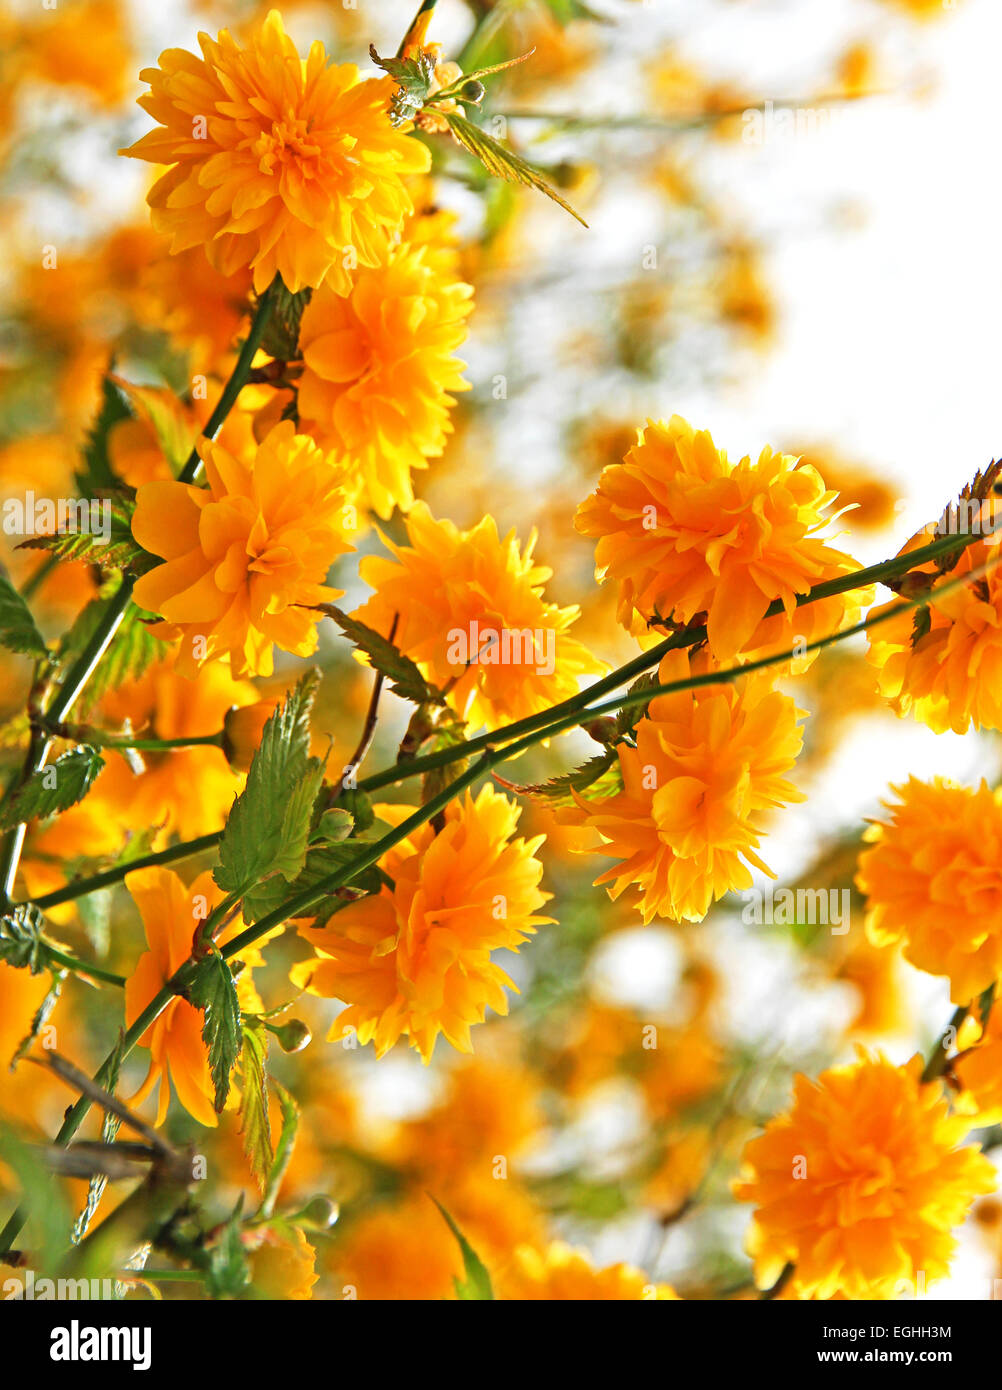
268	829
413	76
132	650
18	632
477	1284
601	774
53	788
214	991
21	944
403	674
321	862
628	716
96	474
281	334
116	550
284	1148
255	1125
500	161
228	1273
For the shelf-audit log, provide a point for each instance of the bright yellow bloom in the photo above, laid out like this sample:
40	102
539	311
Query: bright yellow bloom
170	916
470	611
282	1262
707	764
415	960
246	556
684	532
379	366
561	1273
933	879
860	1185
286	165
189	790
948	675
978	1068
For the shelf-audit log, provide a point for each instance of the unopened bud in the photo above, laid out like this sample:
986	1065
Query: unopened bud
292	1036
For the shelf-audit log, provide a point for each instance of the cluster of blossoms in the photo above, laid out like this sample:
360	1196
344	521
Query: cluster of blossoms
294	187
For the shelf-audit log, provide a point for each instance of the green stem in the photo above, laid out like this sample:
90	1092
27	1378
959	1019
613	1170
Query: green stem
81	887
81	967
84	666
686	637
936	1065
97	739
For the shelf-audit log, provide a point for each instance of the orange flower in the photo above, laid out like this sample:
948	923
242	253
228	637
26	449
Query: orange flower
170	914
470	611
978	1068
707	764
564	1274
415	960
861	1183
948	674
189	790
684	532
286	165
379	366
933	879
246	556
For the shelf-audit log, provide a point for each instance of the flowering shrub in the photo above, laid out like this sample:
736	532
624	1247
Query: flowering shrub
324	725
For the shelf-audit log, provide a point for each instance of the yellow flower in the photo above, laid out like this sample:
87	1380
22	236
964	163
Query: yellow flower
861	1183
170	916
282	1262
189	790
246	556
286	165
378	369
470	610
933	879
978	1068
561	1273
948	674
707	764
684	532
415	960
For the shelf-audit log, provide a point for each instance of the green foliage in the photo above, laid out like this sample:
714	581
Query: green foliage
118	551
21	944
228	1271
95	474
284	1148
268	829
321	861
500	161
132	649
281	334
18	632
403	674
413	76
255	1125
213	991
600	774
477	1284
52	788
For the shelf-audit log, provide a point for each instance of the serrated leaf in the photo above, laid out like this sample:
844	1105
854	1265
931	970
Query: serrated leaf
117	550
281	334
213	990
321	862
96	475
132	650
228	1272
53	788
628	716
414	77
477	1284
403	674
255	1125
600	774
18	632
284	1148
267	831
21	945
500	161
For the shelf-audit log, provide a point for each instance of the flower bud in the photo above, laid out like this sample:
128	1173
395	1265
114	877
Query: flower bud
293	1036
243	726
